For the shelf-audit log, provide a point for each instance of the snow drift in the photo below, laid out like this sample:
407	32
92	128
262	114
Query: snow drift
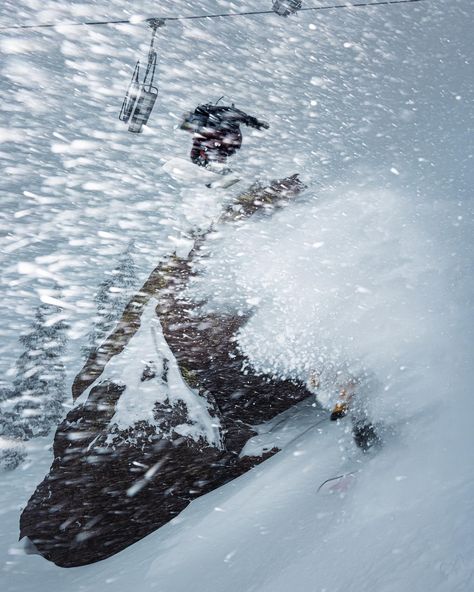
353	282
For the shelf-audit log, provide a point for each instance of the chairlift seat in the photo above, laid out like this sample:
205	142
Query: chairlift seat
140	97
142	110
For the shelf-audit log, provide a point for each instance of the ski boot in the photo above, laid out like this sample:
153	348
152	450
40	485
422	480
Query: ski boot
341	408
365	436
339	411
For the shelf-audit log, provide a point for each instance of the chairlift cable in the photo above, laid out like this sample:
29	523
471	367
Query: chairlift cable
205	16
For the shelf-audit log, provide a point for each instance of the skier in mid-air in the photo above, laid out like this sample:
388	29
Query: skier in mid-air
216	132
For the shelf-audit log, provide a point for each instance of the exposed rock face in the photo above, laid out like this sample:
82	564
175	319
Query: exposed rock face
170	407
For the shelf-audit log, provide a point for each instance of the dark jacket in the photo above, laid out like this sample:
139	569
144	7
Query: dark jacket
217	132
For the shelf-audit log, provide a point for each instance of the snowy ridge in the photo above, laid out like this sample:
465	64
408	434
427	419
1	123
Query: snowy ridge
151	376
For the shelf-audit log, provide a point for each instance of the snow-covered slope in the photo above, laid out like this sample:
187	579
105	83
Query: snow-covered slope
373	108
403	524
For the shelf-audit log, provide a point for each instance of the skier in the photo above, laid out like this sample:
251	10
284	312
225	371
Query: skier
349	403
216	132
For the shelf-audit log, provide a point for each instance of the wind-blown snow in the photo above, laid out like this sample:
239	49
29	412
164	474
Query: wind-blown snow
373	271
351	282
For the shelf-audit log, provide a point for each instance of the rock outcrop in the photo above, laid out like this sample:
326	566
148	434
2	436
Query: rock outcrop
169	403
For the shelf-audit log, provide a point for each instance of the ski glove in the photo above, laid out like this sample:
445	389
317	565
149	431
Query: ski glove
254	122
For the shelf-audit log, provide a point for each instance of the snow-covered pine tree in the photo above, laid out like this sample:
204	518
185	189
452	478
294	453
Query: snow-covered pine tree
12	451
5	393
39	387
111	298
6	417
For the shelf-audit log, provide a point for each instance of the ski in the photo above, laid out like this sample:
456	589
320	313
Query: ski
339	485
223	183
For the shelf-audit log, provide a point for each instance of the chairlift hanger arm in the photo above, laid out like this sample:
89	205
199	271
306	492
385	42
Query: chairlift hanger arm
155	24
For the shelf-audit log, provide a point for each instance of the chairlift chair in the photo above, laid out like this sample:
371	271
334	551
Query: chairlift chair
140	97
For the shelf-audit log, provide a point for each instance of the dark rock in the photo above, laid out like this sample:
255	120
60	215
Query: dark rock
109	487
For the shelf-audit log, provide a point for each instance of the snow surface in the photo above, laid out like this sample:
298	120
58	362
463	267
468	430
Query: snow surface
403	525
374	108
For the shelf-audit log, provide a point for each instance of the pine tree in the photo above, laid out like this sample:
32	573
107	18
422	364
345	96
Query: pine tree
5	393
39	387
112	297
7	400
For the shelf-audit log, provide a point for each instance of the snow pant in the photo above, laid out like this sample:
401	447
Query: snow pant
214	147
